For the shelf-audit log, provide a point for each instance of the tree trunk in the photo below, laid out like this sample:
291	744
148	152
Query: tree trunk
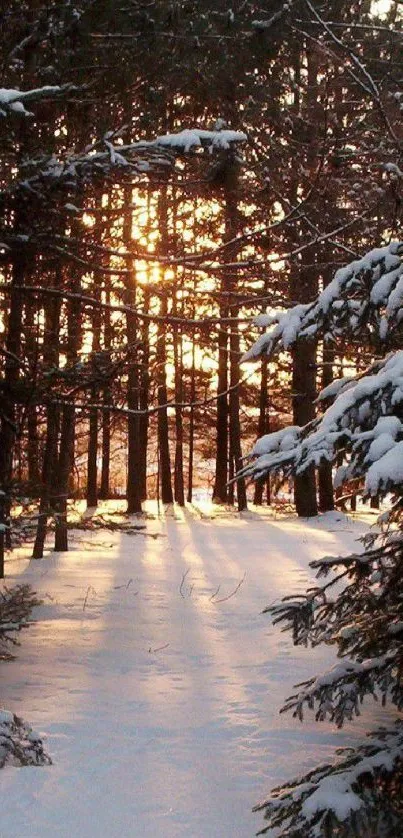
133	490
303	385
62	481
2	531
104	490
263	428
34	478
67	431
31	340
92	460
49	465
48	472
234	420
144	397
179	486
325	472
8	412
304	287
192	421
163	424
220	492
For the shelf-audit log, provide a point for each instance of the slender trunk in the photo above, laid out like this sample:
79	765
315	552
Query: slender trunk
163	426
48	471
8	413
33	449
49	465
161	358
224	456
67	431
325	475
263	428
92	470
220	492
31	345
63	473
235	424
133	491
92	454
192	422
104	490
304	286
303	385
179	485
106	414
144	398
2	531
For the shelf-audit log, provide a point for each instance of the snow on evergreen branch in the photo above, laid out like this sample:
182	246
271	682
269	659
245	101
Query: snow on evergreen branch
19	744
364	421
365	297
37	176
358	795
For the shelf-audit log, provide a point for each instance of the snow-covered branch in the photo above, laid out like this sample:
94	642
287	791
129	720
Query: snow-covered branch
365	297
357	795
141	157
19	744
14	101
364	421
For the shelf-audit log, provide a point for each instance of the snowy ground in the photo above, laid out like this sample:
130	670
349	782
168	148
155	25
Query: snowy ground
159	702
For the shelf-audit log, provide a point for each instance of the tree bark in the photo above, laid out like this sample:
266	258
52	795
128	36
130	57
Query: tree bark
325	472
48	472
179	485
49	466
192	421
163	424
144	398
104	490
263	428
303	385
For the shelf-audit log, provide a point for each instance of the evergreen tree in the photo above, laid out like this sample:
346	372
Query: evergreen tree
363	429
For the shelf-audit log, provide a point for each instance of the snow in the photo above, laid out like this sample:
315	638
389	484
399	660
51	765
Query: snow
195	138
332	390
386	471
14	99
278	441
348	419
160	703
374	277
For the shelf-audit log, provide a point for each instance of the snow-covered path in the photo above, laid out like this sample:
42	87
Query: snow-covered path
159	702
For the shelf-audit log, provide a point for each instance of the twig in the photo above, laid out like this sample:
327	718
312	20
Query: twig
183	582
215	593
159	648
235	591
119	587
89	589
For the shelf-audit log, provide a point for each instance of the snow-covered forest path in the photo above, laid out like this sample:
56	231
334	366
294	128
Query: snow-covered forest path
159	701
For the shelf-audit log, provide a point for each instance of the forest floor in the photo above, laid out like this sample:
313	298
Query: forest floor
158	682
